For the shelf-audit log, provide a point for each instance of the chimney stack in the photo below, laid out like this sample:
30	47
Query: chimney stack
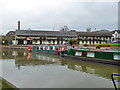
18	25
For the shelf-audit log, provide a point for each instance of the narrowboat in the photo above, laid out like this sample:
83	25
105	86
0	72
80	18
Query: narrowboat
54	49
94	55
97	55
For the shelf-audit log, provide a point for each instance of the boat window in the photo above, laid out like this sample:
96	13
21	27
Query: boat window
56	48
41	48
46	48
51	48
37	48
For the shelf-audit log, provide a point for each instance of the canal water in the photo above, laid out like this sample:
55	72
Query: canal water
38	70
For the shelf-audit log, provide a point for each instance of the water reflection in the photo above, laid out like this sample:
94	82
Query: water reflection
22	58
101	70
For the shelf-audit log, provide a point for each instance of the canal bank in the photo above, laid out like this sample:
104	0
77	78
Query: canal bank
7	85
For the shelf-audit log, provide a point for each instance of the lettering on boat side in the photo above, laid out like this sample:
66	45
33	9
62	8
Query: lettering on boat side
90	54
78	53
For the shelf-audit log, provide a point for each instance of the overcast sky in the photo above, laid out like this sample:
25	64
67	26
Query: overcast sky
49	14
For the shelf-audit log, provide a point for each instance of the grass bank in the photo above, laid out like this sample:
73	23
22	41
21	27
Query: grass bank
5	85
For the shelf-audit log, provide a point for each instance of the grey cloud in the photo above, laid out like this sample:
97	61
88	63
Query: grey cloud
79	16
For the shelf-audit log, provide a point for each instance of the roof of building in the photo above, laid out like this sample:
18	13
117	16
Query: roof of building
10	33
118	31
45	33
95	33
101	33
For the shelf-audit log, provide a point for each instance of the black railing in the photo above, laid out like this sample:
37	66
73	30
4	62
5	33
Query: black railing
114	80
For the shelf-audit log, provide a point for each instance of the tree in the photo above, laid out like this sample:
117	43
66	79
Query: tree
4	42
72	41
62	29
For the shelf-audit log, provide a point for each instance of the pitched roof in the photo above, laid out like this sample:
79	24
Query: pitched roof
118	31
101	33
96	33
45	33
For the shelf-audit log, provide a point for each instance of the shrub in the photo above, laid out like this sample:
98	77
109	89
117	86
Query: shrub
72	41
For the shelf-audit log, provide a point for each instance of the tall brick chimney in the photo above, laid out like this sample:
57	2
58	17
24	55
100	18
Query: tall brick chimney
18	25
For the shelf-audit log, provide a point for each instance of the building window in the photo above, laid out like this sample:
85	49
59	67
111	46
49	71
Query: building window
83	38
91	38
49	41
20	41
29	41
82	41
40	37
96	41
44	38
106	38
102	38
35	41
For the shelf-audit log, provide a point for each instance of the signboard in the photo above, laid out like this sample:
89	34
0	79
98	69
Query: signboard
27	38
78	53
61	48
90	54
66	38
116	56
